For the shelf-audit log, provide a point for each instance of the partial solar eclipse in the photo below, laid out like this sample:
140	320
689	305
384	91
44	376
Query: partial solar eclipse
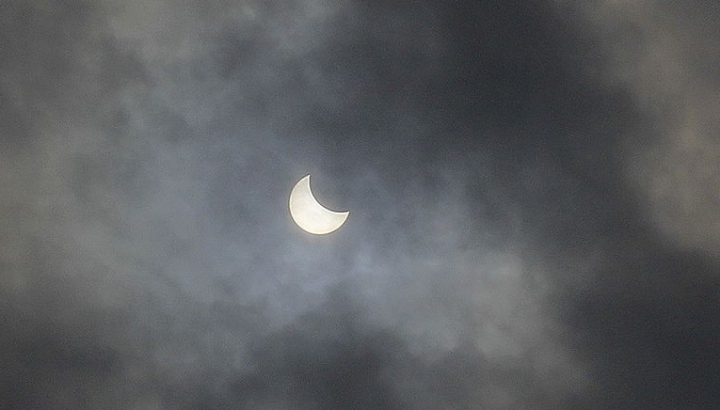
309	215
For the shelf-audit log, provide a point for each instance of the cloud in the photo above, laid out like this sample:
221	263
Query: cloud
662	54
502	250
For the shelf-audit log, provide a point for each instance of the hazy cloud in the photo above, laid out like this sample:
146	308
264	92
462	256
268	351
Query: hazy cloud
531	191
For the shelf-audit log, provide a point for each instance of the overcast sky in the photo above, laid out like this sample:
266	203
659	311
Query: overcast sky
533	192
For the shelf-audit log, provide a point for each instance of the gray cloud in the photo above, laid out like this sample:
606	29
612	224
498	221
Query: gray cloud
661	52
506	249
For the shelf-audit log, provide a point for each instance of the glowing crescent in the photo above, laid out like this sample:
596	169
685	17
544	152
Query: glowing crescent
307	212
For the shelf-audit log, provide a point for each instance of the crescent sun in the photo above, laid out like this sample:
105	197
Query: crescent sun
309	214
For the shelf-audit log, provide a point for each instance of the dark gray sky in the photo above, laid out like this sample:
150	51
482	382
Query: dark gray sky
533	188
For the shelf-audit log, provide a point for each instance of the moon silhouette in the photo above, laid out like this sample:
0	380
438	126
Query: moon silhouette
309	214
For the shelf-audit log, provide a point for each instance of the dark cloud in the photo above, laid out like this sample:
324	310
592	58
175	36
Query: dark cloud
650	323
532	190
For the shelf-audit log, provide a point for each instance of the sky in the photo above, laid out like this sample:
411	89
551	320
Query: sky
533	192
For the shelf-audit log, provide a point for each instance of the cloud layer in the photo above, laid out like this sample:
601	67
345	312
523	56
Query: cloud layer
531	186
